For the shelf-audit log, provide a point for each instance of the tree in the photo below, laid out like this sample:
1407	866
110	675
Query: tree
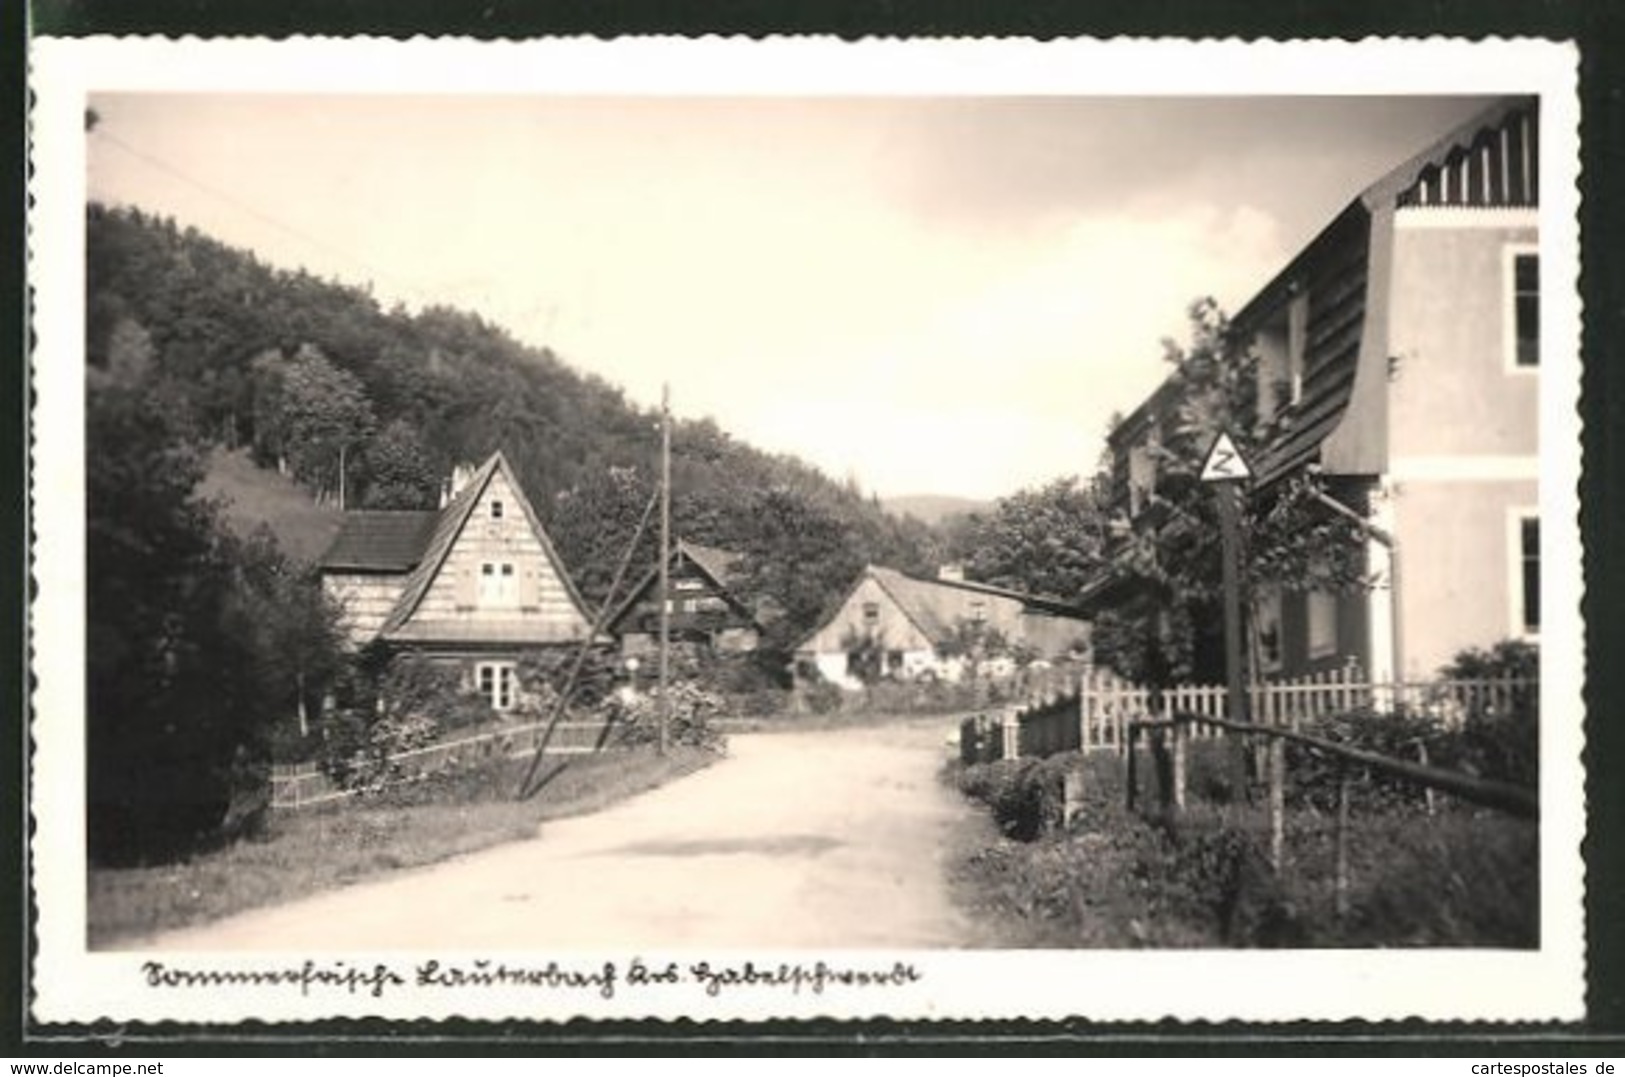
167	715
1173	564
398	471
290	627
1049	540
799	556
309	414
592	524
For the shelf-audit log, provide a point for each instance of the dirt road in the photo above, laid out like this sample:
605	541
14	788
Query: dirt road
819	839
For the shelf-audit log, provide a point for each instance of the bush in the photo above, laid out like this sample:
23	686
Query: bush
543	674
1027	796
1313	777
1221	869
821	697
636	717
358	746
288	745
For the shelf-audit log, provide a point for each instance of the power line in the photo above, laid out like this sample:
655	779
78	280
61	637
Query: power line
238	203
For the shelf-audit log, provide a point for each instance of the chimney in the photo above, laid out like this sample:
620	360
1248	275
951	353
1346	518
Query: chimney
953	573
460	474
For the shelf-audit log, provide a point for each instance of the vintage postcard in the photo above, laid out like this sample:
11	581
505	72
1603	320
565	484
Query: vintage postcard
714	529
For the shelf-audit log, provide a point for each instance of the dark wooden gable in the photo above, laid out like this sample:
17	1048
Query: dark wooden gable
703	603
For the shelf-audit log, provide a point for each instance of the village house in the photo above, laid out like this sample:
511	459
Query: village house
476	583
705	612
916	624
1399	355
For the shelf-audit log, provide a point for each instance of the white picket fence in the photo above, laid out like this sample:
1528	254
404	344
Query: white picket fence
1090	710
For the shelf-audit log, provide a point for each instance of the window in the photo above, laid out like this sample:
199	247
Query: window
1267	621
1526	307
1297	343
499	584
496	684
1322	609
1526	595
871	613
978	610
1522	317
496	510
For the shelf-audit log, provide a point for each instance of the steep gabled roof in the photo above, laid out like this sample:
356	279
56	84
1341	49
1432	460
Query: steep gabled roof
376	541
717	565
450	525
1341	250
1039	603
919	598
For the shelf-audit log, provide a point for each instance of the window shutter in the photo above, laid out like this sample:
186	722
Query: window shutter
467	587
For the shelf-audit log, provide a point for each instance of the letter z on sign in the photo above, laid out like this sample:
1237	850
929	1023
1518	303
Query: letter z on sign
1224	462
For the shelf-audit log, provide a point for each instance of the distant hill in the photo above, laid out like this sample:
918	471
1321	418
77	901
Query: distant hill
254	496
934	508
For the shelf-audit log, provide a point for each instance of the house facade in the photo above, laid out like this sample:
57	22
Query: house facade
704	610
915	624
1398	363
477	583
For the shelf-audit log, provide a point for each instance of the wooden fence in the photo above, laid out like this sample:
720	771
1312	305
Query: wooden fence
1092	710
303	785
1096	711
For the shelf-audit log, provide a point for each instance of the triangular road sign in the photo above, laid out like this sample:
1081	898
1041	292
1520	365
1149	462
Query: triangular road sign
1224	462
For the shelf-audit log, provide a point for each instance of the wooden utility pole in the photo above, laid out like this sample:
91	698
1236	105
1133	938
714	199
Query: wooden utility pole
1227	471
665	560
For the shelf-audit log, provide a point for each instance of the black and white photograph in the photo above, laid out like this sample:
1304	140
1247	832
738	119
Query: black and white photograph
799	530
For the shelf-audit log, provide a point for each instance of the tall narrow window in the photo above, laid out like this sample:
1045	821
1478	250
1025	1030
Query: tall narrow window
496	684
1267	625
1529	574
1322	613
1297	345
1526	309
496	510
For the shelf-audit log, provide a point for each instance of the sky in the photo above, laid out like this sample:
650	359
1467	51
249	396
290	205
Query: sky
927	295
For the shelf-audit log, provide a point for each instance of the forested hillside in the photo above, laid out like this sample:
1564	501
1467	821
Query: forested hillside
376	405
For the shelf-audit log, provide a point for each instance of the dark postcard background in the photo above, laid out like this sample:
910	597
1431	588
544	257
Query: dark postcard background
1597	25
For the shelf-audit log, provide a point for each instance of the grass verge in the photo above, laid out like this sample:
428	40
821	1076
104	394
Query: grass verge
1116	879
301	853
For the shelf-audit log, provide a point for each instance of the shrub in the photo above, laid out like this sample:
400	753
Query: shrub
288	745
820	696
1026	796
636	717
358	746
1313	777
1220	870
543	674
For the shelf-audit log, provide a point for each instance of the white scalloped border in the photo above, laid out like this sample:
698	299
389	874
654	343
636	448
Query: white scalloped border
72	985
